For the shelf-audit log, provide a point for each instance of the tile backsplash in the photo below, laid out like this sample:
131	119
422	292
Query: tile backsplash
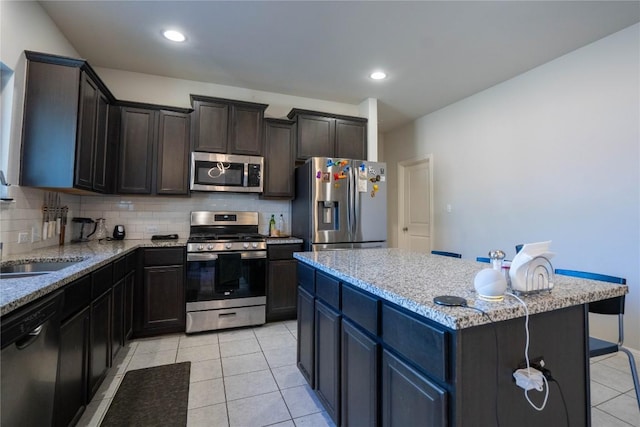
142	216
24	215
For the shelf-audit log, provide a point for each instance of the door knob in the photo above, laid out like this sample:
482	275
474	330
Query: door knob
405	229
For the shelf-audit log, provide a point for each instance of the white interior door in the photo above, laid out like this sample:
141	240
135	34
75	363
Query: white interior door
415	207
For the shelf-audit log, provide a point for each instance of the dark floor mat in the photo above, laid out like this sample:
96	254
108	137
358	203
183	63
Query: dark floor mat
156	396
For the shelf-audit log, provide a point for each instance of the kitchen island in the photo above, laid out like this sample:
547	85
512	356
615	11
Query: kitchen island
377	350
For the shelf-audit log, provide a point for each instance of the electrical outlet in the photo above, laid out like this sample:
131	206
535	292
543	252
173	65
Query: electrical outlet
23	237
152	228
35	234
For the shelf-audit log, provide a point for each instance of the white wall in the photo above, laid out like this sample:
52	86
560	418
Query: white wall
551	154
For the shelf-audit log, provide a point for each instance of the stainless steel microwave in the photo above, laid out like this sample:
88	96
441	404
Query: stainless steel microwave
226	172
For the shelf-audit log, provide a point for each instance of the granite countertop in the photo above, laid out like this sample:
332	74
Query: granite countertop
412	280
15	293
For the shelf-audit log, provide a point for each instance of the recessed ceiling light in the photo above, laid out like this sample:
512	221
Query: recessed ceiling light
174	36
378	75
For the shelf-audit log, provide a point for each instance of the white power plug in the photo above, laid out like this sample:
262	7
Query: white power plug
529	379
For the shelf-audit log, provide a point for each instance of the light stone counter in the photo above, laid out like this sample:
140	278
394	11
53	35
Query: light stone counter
15	293
412	280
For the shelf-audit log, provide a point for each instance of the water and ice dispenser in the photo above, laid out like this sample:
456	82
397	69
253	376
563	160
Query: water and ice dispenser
329	215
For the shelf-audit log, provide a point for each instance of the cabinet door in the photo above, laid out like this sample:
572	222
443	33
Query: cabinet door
136	150
359	387
100	349
281	290
306	341
245	133
172	166
351	139
316	137
129	286
408	397
117	319
327	358
85	145
71	386
163	298
211	120
102	169
279	159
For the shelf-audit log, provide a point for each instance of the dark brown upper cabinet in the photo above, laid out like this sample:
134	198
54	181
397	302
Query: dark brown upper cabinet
279	147
227	126
329	135
154	150
65	138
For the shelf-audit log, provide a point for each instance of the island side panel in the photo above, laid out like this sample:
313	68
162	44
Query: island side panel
559	336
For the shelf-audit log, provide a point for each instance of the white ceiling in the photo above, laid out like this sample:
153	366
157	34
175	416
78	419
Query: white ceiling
434	52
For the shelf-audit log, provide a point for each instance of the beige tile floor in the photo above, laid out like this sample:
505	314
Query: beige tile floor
248	377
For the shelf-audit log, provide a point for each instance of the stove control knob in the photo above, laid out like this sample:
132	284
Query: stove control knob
200	247
245	245
210	247
228	245
254	245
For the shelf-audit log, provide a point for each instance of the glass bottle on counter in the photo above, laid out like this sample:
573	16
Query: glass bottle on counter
272	226
281	225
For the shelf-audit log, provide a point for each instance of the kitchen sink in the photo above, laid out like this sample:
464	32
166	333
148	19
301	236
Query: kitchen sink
30	269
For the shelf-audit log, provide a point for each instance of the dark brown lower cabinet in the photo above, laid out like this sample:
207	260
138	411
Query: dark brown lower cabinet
359	388
100	337
71	388
129	286
306	335
282	282
160	297
408	396
117	324
163	287
327	358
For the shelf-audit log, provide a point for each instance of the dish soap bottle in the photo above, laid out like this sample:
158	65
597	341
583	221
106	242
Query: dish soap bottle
281	225
272	226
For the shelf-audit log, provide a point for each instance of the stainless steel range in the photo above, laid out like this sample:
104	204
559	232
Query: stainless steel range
226	271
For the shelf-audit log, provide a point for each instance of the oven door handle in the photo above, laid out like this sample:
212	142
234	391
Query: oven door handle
214	256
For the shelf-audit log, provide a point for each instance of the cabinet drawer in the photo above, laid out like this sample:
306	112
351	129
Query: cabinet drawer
418	342
306	278
163	256
361	308
328	289
77	295
119	268
102	280
276	252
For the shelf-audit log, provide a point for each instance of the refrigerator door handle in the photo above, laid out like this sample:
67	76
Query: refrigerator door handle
356	202
350	210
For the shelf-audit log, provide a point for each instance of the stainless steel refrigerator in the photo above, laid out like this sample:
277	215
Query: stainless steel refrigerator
340	204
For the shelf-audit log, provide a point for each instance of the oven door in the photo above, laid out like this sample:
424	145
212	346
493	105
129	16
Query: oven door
225	275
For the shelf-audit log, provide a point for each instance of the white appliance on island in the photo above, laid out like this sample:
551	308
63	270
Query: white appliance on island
340	204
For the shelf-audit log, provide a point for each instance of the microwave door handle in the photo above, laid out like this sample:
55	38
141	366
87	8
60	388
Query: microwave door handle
246	175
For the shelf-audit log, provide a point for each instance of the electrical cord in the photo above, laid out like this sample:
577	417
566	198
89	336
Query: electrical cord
526	357
547	374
